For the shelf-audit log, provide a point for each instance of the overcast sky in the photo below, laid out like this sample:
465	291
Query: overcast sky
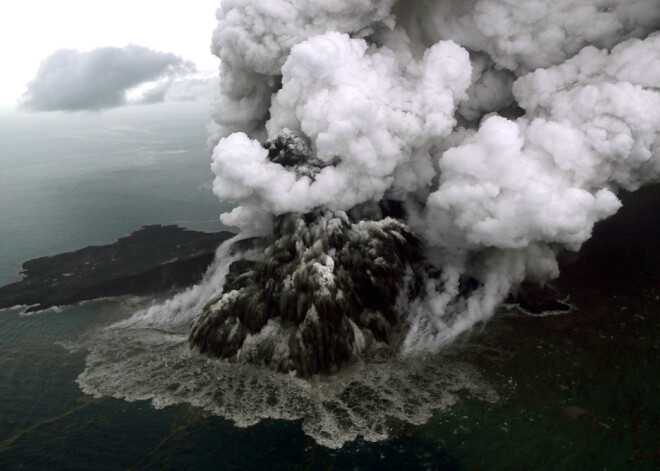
30	30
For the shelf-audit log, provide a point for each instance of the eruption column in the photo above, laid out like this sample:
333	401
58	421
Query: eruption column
446	149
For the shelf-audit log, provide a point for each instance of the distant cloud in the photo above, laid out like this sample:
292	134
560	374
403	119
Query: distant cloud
197	87
101	78
193	87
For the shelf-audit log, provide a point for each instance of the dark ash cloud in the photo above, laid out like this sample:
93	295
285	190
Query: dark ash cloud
72	80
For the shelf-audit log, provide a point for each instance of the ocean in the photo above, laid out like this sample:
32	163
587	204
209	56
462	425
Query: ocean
571	391
76	179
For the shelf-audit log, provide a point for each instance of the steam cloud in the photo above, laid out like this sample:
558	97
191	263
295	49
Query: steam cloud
502	129
72	80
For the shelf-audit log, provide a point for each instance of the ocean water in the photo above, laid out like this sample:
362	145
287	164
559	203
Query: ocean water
574	391
69	180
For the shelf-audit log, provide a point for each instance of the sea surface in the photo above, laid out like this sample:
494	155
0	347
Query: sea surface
579	390
69	180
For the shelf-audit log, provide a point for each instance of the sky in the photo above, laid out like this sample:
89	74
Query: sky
30	30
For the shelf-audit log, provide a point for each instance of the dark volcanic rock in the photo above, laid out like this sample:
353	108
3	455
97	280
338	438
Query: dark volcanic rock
152	259
324	291
293	151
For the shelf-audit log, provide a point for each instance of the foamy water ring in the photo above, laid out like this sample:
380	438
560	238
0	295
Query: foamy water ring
141	363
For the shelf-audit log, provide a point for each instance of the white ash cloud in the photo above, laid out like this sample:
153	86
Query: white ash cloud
71	80
370	108
592	125
400	101
254	38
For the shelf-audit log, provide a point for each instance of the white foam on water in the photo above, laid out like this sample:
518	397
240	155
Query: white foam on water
138	362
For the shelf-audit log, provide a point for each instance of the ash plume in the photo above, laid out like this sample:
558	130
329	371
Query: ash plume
324	291
499	130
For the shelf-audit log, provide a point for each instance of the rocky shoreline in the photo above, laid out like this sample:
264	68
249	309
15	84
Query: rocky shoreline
150	260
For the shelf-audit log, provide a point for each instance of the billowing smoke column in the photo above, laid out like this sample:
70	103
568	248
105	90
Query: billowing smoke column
411	163
325	291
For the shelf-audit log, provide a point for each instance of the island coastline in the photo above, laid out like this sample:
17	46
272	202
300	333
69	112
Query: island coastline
151	260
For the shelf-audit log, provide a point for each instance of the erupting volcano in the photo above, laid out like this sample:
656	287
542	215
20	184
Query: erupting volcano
407	165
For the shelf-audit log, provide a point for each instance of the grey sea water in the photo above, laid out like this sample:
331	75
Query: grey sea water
68	180
578	391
